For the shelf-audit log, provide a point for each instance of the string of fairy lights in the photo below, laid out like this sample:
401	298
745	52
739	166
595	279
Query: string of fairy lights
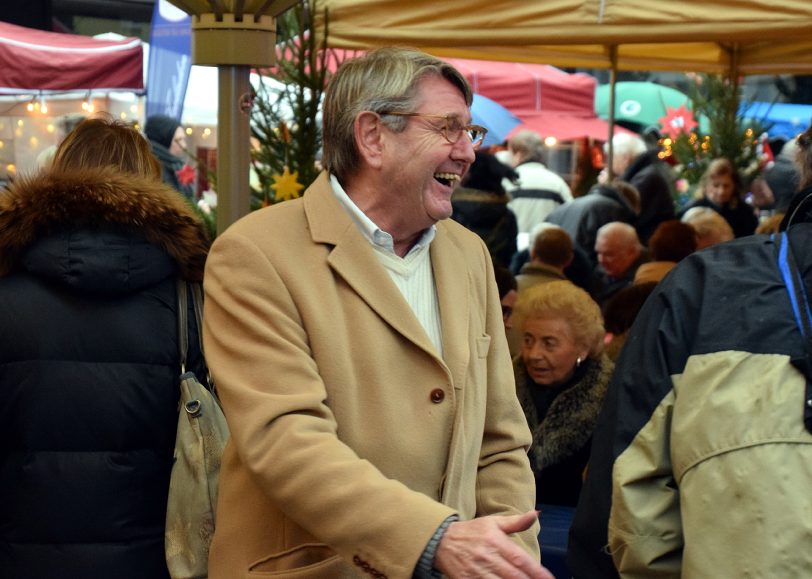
17	128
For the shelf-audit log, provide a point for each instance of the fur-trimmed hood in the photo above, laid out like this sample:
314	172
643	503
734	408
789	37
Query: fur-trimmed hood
571	418
37	206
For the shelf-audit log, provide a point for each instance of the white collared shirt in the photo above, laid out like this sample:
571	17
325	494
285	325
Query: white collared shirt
412	274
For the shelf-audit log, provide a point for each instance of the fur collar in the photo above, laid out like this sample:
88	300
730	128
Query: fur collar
35	205
571	418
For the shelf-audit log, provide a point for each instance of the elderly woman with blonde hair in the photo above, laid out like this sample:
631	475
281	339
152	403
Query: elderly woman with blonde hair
711	228
561	378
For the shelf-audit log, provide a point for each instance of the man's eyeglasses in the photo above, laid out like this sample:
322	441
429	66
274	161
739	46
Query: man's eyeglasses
452	129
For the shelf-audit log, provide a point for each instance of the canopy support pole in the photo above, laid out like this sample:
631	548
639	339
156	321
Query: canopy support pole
233	141
610	149
731	115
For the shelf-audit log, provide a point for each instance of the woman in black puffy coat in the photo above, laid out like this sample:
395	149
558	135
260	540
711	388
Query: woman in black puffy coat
90	251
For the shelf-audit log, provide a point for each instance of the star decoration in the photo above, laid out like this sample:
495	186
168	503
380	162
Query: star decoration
286	186
677	121
186	175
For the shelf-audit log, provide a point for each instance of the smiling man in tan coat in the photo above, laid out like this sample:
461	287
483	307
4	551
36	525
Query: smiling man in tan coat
357	341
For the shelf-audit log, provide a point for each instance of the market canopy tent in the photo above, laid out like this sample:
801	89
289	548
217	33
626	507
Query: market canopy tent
550	101
566	127
522	87
715	36
742	37
38	62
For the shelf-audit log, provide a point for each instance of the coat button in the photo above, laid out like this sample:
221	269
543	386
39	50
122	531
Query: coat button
437	395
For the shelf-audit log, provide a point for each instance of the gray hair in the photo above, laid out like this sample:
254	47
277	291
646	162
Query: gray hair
528	145
626	144
382	80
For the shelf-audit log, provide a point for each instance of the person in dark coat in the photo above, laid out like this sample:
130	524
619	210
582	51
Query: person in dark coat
605	203
168	142
721	190
783	177
634	163
480	204
90	250
701	459
561	378
551	253
620	254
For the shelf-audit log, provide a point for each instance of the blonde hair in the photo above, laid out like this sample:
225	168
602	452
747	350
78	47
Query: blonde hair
102	141
383	80
564	300
711	228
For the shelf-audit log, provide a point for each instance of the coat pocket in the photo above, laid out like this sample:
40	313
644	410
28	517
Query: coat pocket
306	561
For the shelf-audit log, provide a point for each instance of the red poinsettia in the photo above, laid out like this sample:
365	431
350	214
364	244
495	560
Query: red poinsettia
186	175
677	121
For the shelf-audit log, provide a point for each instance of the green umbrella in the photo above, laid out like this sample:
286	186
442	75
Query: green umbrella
642	103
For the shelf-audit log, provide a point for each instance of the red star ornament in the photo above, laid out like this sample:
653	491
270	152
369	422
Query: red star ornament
677	121
186	175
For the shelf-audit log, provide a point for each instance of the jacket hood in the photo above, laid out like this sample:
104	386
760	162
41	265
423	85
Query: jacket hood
100	201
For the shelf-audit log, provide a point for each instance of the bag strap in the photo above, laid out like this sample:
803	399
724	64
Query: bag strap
183	328
796	289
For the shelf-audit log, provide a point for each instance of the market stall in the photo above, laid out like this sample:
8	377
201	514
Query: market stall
46	75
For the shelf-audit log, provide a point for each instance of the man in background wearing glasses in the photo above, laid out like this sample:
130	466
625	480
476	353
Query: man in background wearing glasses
358	346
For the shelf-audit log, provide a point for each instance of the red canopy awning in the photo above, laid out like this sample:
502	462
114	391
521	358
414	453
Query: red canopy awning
565	126
34	61
529	87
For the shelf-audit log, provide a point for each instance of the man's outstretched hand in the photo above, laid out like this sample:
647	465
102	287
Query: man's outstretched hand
481	548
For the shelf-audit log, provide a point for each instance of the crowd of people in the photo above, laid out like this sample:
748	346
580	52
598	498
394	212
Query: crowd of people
405	383
689	404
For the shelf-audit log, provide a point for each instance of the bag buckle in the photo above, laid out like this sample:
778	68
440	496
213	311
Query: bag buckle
193	407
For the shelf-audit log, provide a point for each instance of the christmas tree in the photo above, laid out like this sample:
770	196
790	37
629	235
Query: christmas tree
728	134
284	119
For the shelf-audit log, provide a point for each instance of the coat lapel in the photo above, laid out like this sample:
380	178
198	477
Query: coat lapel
354	260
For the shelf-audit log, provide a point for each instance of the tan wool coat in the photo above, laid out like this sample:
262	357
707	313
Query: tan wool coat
352	440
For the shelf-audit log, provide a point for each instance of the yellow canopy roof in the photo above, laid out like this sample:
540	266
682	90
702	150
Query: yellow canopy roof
745	36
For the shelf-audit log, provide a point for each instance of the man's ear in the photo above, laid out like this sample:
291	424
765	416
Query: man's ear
369	137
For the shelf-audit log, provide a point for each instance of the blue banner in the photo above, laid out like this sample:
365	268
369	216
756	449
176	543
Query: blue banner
170	61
